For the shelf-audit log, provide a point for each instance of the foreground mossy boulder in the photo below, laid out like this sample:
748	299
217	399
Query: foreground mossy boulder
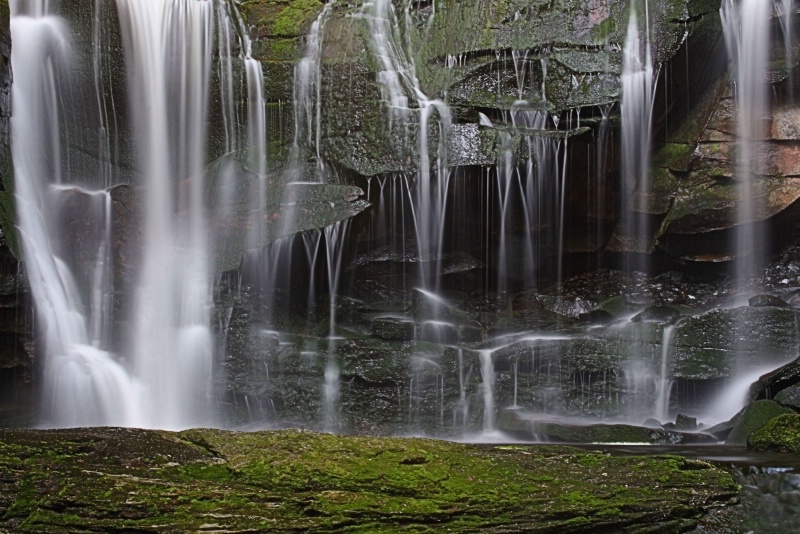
754	416
781	434
114	480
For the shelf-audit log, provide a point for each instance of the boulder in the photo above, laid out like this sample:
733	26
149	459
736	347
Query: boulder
773	383
684	422
781	434
789	397
753	417
722	342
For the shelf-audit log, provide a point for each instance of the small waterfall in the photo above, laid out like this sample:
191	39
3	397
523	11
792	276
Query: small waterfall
488	377
307	100
335	236
83	384
461	409
168	52
398	77
787	9
746	27
664	384
638	93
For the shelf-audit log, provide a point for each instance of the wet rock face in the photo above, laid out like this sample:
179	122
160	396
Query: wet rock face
565	58
17	347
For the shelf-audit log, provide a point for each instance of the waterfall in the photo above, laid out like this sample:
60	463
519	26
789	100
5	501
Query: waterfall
664	384
168	53
83	383
335	239
786	9
307	100
636	118
158	372
488	378
746	28
398	77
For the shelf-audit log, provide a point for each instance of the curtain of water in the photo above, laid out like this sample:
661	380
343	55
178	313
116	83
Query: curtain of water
664	384
746	27
398	77
488	378
637	117
168	45
787	11
83	384
335	238
307	102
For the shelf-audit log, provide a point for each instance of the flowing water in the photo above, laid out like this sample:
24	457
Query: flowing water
158	373
180	56
746	27
636	110
398	78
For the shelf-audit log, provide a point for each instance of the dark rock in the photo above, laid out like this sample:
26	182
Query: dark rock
438	332
781	434
789	397
684	422
597	317
470	334
664	314
770	384
568	306
751	418
392	329
767	300
714	344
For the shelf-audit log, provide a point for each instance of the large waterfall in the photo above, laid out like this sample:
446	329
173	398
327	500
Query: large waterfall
553	225
158	372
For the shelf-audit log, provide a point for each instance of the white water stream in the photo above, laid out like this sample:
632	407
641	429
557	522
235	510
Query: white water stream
162	375
638	93
746	27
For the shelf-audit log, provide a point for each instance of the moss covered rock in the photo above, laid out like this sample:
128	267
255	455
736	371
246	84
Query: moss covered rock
781	434
754	417
115	480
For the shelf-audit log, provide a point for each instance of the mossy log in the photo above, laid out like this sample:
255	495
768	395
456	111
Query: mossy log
115	480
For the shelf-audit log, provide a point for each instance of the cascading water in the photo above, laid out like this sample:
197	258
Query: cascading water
398	77
746	27
83	384
638	92
168	47
163	376
307	100
787	10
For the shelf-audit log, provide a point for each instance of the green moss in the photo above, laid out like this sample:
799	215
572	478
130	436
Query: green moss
754	417
781	434
290	20
302	481
605	30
